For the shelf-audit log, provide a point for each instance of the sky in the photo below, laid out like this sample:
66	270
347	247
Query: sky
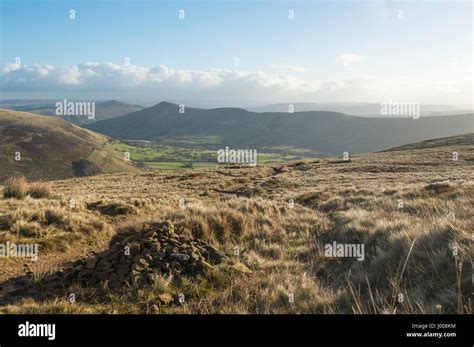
238	52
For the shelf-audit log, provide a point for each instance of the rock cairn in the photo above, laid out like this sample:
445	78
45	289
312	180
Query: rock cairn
139	255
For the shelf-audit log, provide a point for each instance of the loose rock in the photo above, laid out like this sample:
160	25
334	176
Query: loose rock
155	250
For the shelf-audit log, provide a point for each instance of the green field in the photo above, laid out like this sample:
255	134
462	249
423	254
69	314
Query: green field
193	141
159	156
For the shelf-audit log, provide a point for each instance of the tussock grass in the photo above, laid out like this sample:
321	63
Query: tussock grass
112	208
53	227
15	187
40	190
419	250
19	188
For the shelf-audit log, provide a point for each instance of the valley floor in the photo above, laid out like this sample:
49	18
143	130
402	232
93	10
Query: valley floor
270	225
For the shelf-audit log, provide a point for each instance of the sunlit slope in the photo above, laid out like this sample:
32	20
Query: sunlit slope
41	147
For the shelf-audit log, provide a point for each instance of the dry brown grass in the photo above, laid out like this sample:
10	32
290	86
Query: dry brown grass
19	188
50	223
279	220
15	187
40	190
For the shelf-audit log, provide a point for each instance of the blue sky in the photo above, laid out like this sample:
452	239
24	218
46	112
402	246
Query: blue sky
330	51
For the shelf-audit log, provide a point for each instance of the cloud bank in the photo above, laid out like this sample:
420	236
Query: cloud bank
165	82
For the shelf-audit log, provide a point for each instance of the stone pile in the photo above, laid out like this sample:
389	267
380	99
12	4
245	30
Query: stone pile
139	255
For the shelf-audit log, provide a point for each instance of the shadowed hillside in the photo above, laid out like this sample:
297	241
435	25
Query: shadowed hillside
41	147
328	133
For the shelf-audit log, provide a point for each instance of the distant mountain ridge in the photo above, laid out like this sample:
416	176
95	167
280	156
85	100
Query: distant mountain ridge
329	133
362	109
103	110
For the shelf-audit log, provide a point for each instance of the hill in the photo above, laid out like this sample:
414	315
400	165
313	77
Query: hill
329	133
51	148
246	240
363	109
460	140
103	110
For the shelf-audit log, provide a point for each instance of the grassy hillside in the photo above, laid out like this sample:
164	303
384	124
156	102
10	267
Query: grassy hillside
51	148
252	240
328	133
460	140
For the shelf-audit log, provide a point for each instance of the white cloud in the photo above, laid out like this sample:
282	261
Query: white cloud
118	77
289	68
349	58
67	75
165	82
295	68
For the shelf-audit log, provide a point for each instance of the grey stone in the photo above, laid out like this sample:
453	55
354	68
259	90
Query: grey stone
180	256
